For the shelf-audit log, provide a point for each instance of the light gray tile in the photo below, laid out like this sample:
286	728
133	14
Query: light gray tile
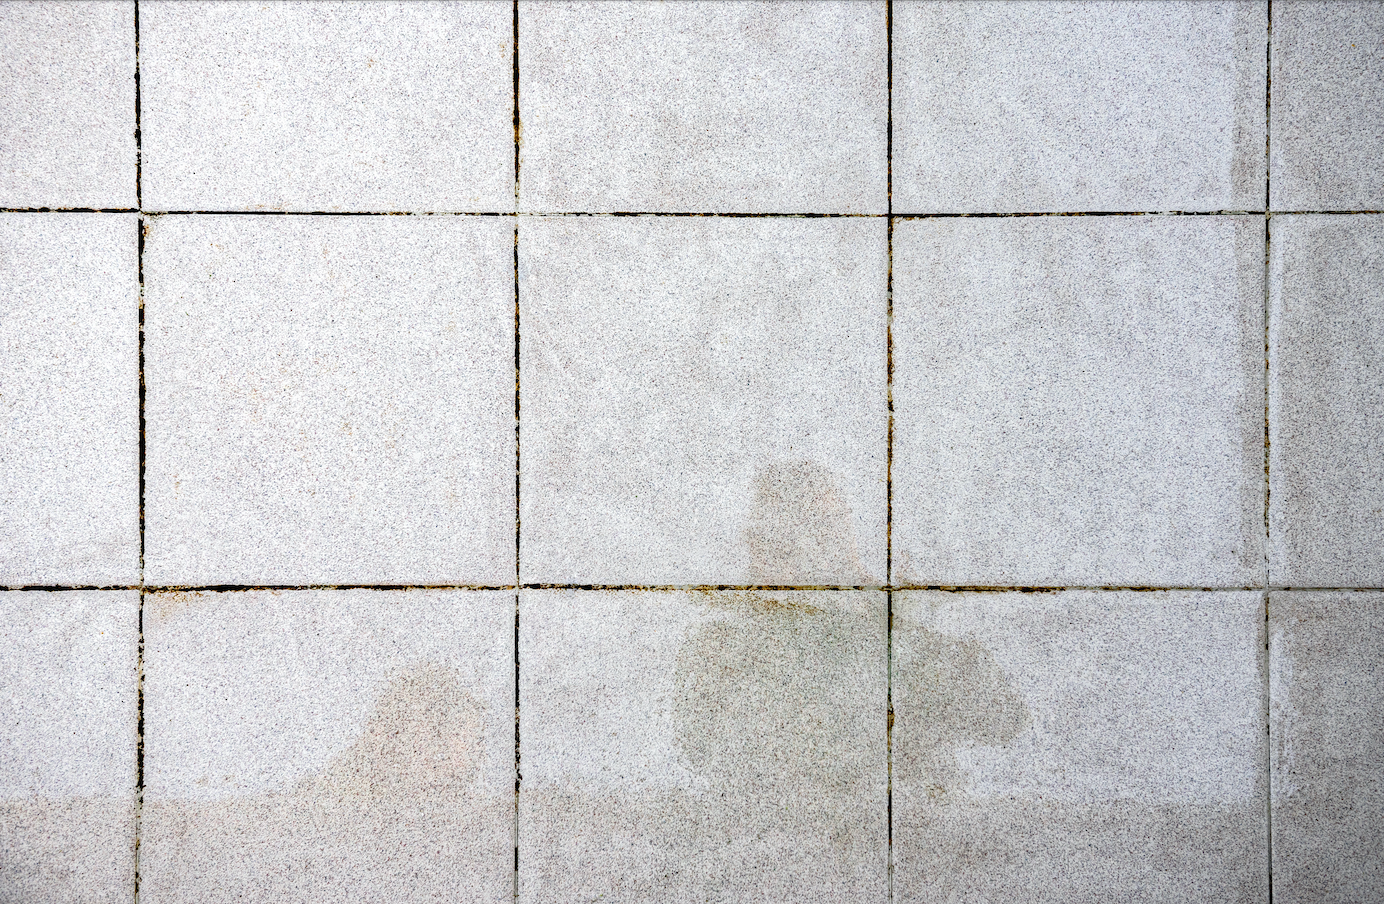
1327	117
69	665
1047	106
1079	747
1079	401
69	399
703	746
714	107
67	105
703	400
1326	723
330	400
1326	401
316	106
317	746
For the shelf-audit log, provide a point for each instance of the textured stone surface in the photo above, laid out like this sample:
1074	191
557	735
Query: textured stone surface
703	746
69	664
1327	117
1078	106
1326	722
328	746
1079	401
702	400
712	107
328	106
67	105
69	399
330	400
1326	401
1079	747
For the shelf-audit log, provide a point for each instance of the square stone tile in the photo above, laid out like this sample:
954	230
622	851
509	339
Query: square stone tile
328	106
1326	149
703	400
313	746
1326	724
69	666
69	399
1079	401
703	746
713	107
1078	106
67	104
1079	747
330	400
1326	401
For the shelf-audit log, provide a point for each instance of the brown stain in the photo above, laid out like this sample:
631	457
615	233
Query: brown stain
948	693
801	528
165	605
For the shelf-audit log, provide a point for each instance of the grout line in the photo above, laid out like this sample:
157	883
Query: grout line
140	226
688	213
518	773
1268	536
76	209
694	588
889	452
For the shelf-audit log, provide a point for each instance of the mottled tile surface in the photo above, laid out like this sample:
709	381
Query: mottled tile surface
694	106
67	104
1326	401
319	746
1048	106
69	399
1326	685
327	106
1326	145
69	666
1079	746
702	746
1079	401
702	400
330	400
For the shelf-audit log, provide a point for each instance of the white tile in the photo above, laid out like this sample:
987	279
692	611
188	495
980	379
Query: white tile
1079	747
1326	725
330	400
317	746
1047	106
712	107
69	666
1079	401
316	106
1327	117
1326	401
67	105
69	399
703	746
703	400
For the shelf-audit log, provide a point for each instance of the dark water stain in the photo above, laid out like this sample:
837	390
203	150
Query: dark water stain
401	814
801	529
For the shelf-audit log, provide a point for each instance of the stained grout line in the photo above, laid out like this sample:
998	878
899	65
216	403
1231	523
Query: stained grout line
690	213
696	588
518	533
140	225
889	450
1268	535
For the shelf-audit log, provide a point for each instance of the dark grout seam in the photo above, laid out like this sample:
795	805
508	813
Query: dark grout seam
518	773
889	450
699	588
141	226
1268	533
686	213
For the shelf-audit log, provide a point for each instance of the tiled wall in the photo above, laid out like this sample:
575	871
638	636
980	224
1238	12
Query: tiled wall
692	452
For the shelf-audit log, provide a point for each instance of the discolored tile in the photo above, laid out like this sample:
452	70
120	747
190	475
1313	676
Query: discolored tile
1326	724
703	746
712	107
315	746
69	666
1079	401
328	106
67	104
1046	106
1326	401
702	400
1078	746
1326	147
330	400
69	399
